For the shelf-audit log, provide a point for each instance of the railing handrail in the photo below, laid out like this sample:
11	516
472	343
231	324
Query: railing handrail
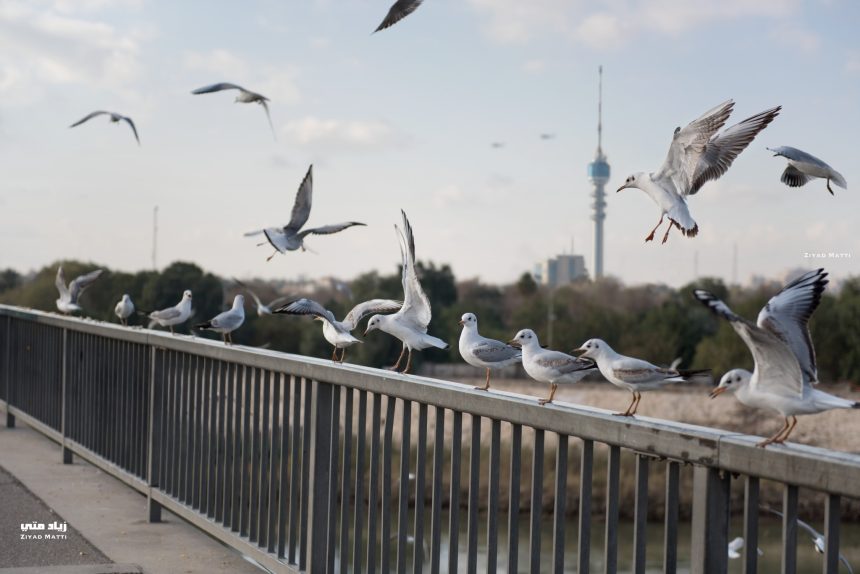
811	467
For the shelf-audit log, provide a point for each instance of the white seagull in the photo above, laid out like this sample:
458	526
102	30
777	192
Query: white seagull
548	366
262	309
802	167
697	155
817	537
482	352
735	547
291	236
114	117
228	321
175	315
339	333
410	323
398	11
243	97
633	374
124	309
785	370
68	301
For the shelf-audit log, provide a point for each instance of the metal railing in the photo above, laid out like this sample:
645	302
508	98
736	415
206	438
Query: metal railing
292	460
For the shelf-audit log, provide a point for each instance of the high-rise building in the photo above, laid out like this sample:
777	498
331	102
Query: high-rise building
598	174
560	270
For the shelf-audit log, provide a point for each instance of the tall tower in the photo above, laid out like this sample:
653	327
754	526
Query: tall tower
598	174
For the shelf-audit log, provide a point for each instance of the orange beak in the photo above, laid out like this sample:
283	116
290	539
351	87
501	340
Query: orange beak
717	392
460	322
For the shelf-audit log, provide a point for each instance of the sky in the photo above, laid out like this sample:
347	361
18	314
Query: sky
405	118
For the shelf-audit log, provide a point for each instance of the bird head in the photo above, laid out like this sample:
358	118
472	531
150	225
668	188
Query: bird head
631	181
373	324
593	348
239	301
469	320
524	339
186	295
731	382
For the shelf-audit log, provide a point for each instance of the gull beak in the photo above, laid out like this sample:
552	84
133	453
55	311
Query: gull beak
515	344
580	349
717	392
620	188
364	334
461	322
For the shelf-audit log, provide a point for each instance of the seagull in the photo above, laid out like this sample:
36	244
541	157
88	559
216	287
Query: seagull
497	145
547	366
547	136
482	352
261	308
68	301
802	167
409	324
785	369
735	547
228	321
114	117
632	374
124	309
175	315
697	155
339	333
398	11
244	97
818	539
289	237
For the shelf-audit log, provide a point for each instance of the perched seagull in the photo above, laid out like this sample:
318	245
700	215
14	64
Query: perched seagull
228	321
261	308
339	333
547	366
114	117
735	547
68	301
398	11
291	237
817	537
632	374
409	324
697	155
175	315
124	309
244	97
802	167
785	369
482	352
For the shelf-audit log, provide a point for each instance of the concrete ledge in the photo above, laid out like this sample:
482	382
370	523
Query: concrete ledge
81	569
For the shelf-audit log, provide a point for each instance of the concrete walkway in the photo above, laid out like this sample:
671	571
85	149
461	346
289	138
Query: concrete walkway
108	519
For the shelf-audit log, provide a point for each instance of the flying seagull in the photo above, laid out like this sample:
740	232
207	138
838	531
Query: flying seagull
548	366
262	309
114	117
802	167
243	97
124	309
785	372
398	11
228	321
175	315
339	333
497	145
291	236
546	136
632	374
410	323
68	301
697	155
818	539
736	545
482	352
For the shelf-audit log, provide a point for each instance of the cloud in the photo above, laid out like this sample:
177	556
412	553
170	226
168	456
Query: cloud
447	196
796	37
852	63
343	135
535	66
601	30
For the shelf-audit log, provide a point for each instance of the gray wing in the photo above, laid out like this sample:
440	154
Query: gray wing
165	314
134	129
416	305
269	117
88	117
722	149
60	282
688	146
398	11
306	306
795	154
492	351
276	301
563	362
217	88
793	177
329	229
302	205
809	529
77	286
248	289
787	314
371	307
228	320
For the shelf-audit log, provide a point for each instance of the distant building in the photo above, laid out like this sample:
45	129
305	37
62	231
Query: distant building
560	270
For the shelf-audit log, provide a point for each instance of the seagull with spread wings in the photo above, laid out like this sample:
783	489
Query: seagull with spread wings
398	11
339	333
549	366
292	236
410	323
818	538
785	372
697	155
803	166
243	97
482	352
114	118
262	308
68	301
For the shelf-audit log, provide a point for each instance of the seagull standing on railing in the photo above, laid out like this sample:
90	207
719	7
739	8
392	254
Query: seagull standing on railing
803	166
243	97
339	333
482	352
291	236
410	323
697	155
124	309
548	366
633	374
68	301
228	321
818	539
114	118
172	316
785	369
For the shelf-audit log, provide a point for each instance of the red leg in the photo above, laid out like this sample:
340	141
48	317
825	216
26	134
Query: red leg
552	389
486	387
653	231
400	358
408	363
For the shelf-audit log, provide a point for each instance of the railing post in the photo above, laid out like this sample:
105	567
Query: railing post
7	375
153	455
320	475
64	405
710	528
